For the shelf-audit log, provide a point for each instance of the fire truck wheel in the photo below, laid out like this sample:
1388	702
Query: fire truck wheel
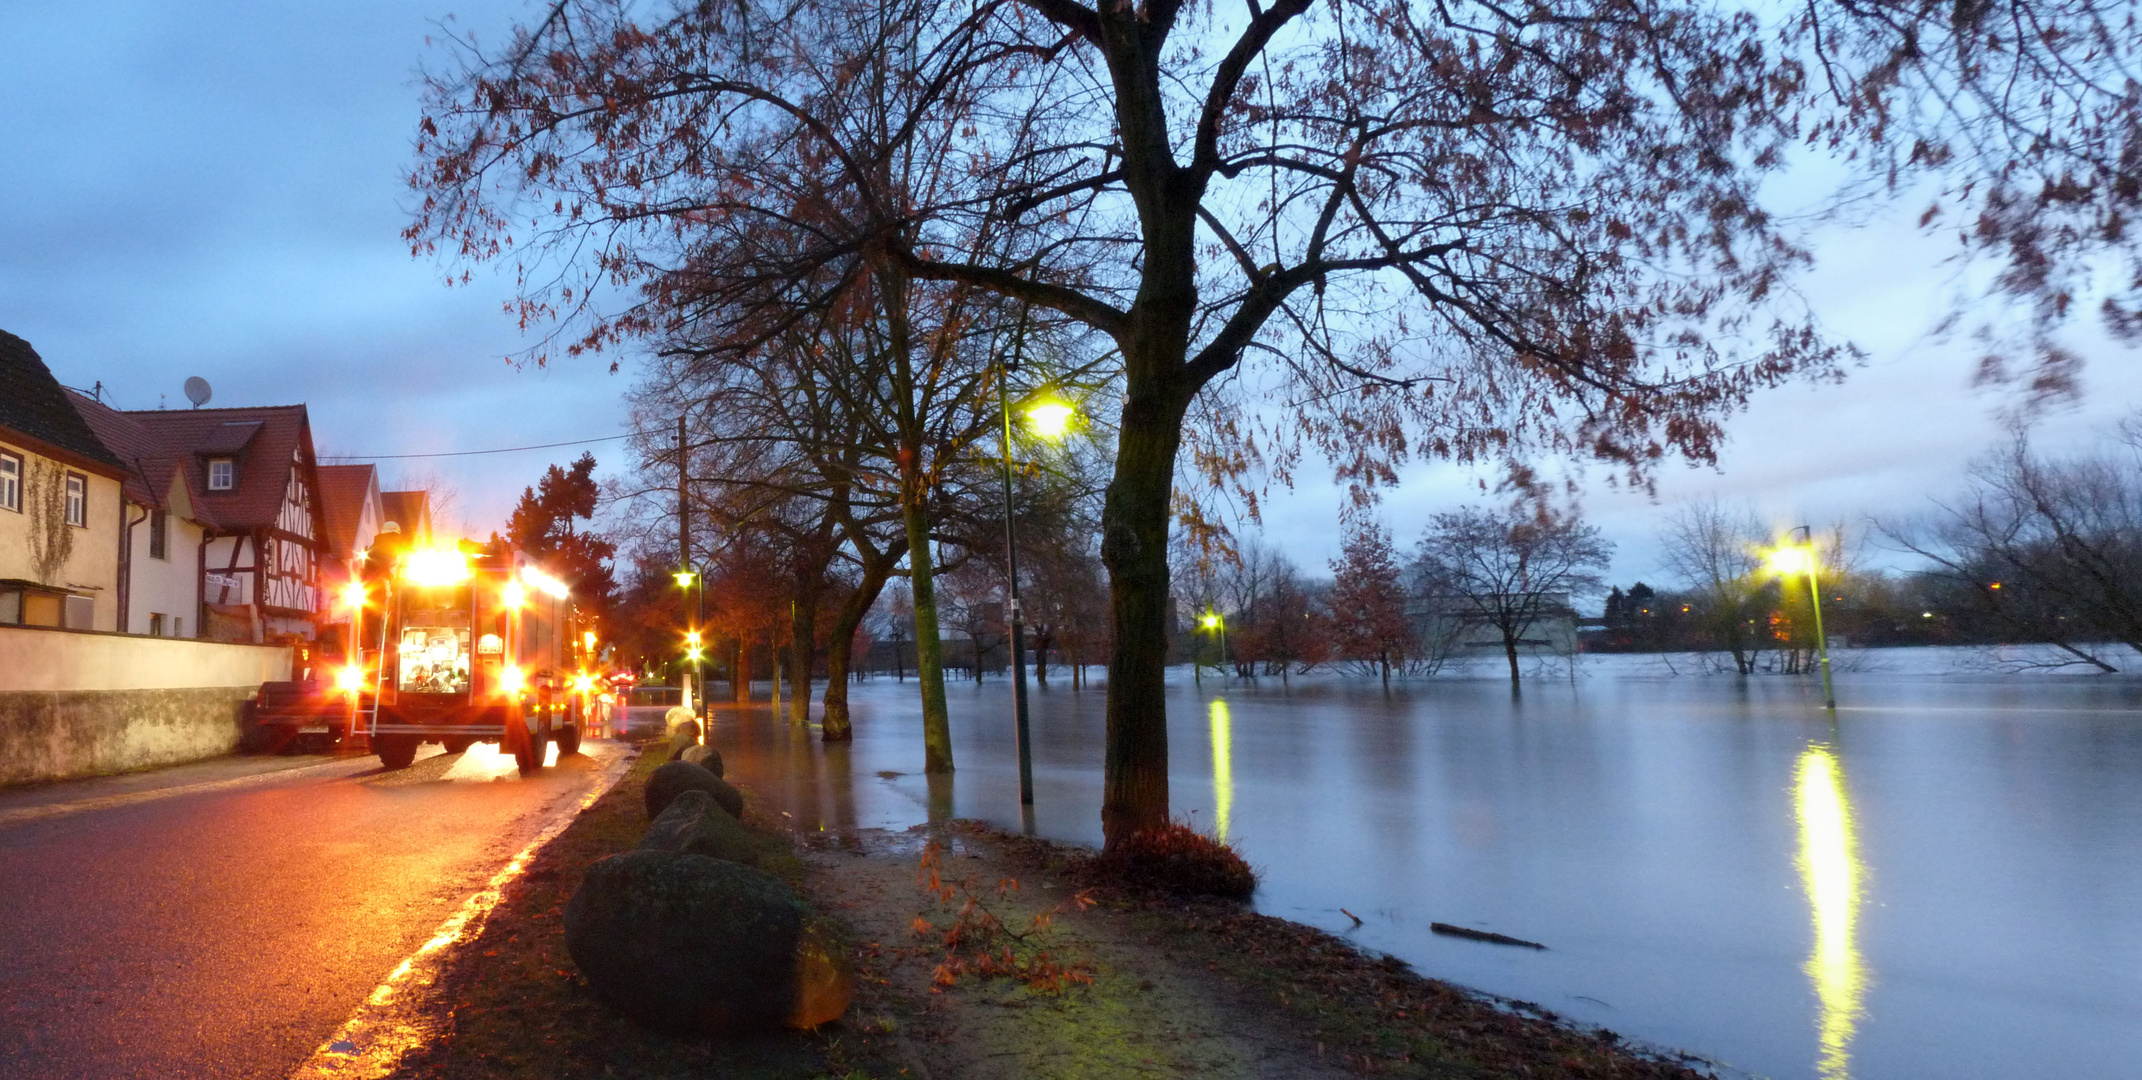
569	739
395	751
457	744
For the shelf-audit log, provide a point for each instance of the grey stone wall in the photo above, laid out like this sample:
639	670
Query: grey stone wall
54	735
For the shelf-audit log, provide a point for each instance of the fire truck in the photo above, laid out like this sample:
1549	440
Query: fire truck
467	644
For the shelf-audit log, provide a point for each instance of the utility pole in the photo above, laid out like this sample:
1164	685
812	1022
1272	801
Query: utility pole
692	691
1024	737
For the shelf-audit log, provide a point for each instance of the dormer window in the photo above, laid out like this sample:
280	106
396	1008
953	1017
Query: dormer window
222	474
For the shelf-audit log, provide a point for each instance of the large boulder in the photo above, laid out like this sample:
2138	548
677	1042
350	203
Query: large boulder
693	825
698	947
706	757
677	777
683	737
675	717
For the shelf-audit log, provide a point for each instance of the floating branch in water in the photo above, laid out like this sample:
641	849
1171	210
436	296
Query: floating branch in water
1482	935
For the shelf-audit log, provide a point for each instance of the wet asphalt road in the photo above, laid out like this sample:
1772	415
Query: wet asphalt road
221	920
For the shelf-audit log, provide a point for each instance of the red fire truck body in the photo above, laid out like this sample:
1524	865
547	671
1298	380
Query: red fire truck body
468	645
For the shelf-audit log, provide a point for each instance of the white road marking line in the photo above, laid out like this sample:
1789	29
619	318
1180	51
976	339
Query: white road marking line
390	1024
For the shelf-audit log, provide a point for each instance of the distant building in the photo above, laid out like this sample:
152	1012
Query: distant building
60	503
258	485
160	552
1472	625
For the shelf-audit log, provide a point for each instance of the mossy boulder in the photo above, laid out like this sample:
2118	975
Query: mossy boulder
693	825
683	737
677	777
706	757
698	947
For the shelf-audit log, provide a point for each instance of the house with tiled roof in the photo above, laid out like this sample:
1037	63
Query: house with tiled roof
60	503
410	511
160	551
258	484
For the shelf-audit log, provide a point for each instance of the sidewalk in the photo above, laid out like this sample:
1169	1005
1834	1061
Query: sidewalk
32	801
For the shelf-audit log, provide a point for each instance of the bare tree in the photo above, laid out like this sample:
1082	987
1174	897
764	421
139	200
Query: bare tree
1463	229
2051	549
1715	550
1509	569
2024	116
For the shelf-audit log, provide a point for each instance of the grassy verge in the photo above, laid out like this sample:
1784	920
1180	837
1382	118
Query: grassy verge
1374	1013
517	1008
1172	984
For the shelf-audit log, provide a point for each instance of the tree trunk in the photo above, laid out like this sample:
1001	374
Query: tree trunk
740	675
1509	649
1041	659
929	650
802	654
836	725
1134	547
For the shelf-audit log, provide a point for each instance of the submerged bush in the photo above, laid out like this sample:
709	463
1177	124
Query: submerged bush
1177	858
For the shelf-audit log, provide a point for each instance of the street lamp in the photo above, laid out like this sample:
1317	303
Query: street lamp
694	694
1213	624
1800	558
1050	419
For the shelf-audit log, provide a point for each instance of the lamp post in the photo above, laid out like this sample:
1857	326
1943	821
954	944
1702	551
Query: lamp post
694	614
1049	419
1212	622
1792	559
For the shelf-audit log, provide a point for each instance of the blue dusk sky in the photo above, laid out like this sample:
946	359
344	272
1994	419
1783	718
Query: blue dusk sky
216	190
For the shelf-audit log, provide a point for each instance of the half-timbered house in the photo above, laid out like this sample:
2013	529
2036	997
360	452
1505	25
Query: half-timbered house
259	484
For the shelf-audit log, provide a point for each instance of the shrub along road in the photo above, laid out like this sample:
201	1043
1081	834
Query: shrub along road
222	920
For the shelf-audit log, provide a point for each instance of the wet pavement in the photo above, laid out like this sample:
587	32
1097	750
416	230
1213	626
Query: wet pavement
224	919
1944	881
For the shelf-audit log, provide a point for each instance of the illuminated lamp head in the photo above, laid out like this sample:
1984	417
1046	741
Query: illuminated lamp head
353	595
1211	621
513	595
1050	419
1791	560
350	679
510	679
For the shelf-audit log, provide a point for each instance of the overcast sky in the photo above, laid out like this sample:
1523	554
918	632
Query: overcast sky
215	190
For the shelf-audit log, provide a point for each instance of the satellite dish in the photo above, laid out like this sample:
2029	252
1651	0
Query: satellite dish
197	390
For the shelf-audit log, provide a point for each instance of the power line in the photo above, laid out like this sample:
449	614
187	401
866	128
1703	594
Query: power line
473	453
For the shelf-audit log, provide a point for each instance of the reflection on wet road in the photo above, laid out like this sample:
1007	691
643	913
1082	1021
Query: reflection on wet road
1690	848
227	925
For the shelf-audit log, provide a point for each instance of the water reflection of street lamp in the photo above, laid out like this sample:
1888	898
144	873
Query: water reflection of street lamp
1800	558
1830	871
1223	768
1049	419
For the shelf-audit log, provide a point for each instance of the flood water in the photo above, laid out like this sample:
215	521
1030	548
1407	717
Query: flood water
1946	881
